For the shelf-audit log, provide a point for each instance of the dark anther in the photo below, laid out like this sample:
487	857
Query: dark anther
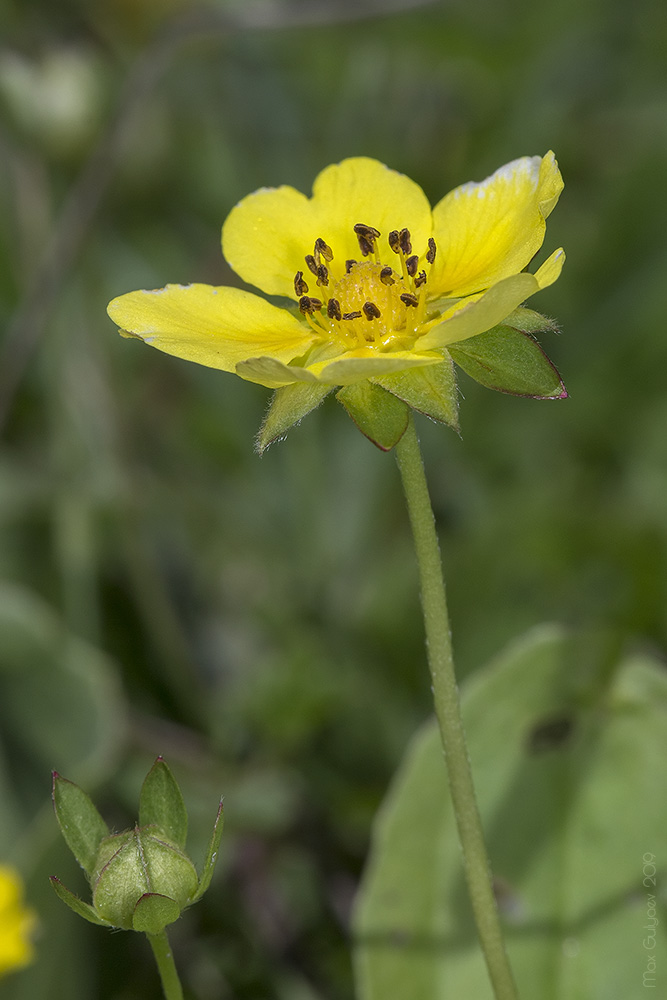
323	248
300	286
367	236
387	276
352	315
312	263
365	246
409	299
322	275
333	309
411	264
430	253
370	232
371	311
404	241
420	279
349	265
394	240
308	305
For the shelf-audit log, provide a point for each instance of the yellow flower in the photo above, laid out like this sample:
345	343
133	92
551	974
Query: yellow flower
16	923
380	282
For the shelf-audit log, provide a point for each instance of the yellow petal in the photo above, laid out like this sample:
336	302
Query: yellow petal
486	232
267	235
216	327
550	270
272	373
353	367
475	316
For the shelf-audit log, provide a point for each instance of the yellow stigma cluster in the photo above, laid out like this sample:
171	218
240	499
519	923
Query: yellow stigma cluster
371	304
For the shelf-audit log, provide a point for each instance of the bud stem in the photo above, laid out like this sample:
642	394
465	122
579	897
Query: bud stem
171	984
448	712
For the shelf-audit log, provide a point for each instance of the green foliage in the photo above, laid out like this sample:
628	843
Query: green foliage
288	406
430	390
511	361
80	823
161	804
564	765
381	416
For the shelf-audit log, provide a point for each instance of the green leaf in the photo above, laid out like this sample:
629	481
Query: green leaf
290	403
161	803
84	910
509	360
431	390
153	912
211	855
378	414
82	826
568	783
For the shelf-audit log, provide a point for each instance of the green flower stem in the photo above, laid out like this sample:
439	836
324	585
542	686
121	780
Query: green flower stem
171	984
448	711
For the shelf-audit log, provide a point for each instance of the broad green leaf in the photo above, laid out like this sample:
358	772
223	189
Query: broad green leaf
569	782
510	361
211	855
378	414
431	390
289	405
161	803
81	824
82	909
153	912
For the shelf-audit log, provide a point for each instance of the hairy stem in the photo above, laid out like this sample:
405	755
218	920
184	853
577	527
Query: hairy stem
448	712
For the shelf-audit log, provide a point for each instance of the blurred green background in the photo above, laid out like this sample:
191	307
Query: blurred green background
257	622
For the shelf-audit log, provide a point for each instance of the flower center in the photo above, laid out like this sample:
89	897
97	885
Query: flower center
372	304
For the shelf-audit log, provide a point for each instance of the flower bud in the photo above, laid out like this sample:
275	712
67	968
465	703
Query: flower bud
137	863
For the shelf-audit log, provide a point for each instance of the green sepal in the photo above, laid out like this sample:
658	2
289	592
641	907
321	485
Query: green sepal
153	912
380	415
80	823
161	803
529	321
290	403
430	390
211	855
509	360
84	910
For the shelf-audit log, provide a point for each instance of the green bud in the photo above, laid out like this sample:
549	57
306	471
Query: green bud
139	862
141	879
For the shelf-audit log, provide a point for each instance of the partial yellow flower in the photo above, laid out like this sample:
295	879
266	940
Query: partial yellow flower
16	923
380	282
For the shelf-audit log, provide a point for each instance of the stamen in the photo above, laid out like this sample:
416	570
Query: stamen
300	286
394	240
409	299
387	276
322	275
349	264
324	249
405	242
371	311
312	263
420	279
333	309
352	315
430	253
411	264
367	235
308	305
